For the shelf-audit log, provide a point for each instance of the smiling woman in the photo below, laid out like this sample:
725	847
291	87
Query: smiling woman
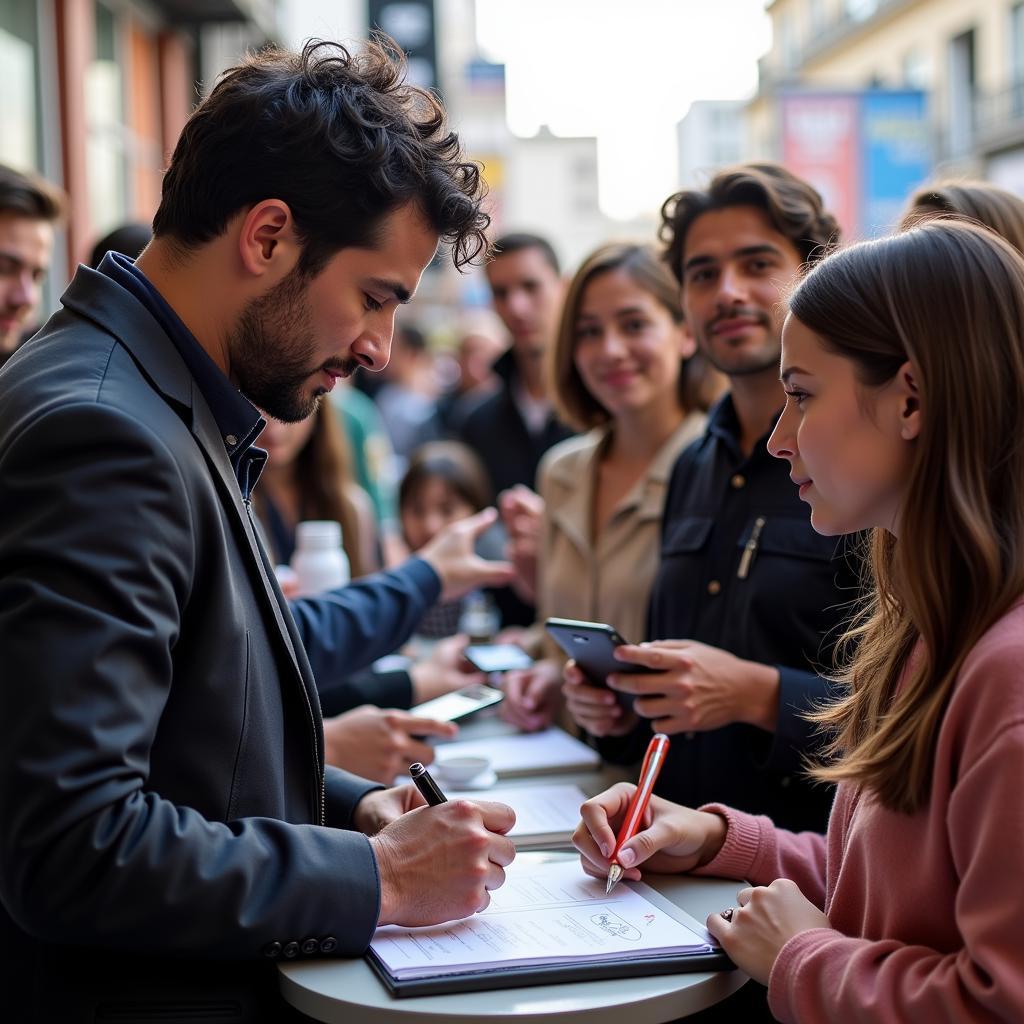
624	366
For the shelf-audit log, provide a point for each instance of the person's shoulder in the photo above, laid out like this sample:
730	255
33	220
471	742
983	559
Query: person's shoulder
990	685
563	461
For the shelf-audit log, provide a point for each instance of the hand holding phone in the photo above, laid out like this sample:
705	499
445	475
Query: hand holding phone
592	646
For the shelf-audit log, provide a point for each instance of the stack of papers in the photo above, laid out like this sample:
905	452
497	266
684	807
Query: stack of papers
545	915
552	750
546	815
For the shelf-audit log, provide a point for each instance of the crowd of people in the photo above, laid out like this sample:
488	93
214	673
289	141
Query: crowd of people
788	469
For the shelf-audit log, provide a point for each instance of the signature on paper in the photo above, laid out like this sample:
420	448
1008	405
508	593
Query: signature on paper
615	925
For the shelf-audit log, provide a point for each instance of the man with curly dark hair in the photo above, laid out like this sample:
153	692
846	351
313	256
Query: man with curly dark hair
170	829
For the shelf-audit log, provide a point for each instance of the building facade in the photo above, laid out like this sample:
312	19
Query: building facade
967	55
96	92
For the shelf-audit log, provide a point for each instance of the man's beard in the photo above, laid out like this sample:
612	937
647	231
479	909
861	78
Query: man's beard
272	351
741	364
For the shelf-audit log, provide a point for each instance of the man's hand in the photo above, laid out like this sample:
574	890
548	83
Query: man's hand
382	806
452	556
532	695
379	744
443	670
765	920
594	708
442	863
522	512
673	838
698	687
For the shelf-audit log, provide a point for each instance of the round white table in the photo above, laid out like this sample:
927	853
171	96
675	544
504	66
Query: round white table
347	991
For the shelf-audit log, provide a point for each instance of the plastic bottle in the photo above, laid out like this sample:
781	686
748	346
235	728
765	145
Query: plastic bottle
319	561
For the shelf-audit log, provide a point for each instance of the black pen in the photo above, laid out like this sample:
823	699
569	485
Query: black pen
426	785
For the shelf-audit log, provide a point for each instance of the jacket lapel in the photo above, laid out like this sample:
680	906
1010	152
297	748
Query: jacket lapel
101	300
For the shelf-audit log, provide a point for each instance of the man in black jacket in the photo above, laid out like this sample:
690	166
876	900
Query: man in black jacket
512	429
169	829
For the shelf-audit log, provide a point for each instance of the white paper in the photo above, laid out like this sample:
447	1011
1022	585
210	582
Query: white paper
548	913
543	813
523	753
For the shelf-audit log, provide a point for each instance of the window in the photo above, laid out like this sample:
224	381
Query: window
916	69
105	116
19	119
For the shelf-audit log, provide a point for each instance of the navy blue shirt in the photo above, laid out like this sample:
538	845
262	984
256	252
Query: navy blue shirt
238	420
742	569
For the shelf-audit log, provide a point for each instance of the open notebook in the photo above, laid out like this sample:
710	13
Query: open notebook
551	750
546	814
550	922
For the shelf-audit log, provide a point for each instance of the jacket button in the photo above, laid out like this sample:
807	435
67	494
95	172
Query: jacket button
329	945
310	946
714	587
291	951
738	480
272	950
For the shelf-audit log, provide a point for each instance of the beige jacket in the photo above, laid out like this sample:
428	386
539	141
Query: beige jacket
609	582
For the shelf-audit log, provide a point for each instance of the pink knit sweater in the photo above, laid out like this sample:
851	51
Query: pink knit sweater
927	911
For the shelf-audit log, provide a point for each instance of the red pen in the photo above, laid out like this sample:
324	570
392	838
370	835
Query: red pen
657	750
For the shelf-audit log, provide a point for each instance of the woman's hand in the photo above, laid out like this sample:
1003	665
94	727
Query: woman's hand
532	695
673	838
767	917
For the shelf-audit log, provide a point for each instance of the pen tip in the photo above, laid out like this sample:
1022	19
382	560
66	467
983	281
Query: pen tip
614	874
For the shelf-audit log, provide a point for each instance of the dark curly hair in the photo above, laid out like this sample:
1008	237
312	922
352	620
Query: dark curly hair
793	206
341	137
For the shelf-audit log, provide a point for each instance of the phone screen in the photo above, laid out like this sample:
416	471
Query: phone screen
497	657
451	706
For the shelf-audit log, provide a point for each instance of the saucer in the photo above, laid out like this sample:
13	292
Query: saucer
482	781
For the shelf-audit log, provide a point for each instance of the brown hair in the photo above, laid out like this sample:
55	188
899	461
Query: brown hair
28	195
987	204
342	138
452	462
324	477
794	207
949	297
574	403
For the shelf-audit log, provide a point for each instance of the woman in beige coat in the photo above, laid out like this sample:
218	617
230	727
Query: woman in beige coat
624	370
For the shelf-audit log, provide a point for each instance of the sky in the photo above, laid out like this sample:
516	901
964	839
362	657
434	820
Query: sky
623	70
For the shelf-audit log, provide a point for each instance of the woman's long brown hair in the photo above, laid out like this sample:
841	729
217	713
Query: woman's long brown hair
949	297
323	470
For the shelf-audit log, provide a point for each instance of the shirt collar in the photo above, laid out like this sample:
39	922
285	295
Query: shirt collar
724	424
238	420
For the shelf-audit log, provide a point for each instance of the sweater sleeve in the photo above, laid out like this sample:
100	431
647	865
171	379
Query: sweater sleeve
822	975
755	850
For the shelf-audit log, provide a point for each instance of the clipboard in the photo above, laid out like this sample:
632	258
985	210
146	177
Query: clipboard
488	978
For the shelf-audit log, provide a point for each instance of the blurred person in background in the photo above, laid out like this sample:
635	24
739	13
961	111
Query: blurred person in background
372	462
308	475
988	204
751	597
512	429
30	208
624	369
127	239
480	341
408	398
445	482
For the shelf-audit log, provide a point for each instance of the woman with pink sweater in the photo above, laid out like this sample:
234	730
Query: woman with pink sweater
903	366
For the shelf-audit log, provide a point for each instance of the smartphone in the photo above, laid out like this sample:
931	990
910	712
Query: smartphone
592	645
451	706
497	657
